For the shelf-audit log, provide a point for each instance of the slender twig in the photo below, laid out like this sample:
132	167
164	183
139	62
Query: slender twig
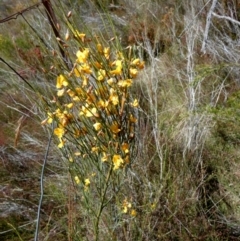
41	186
15	15
226	17
55	27
16	73
209	16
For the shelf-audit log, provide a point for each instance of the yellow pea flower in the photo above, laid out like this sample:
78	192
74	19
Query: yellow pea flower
71	93
135	62
135	103
77	71
60	92
133	213
113	97
79	35
61	81
87	182
89	112
102	104
117	162
125	83
82	56
95	149
115	128
132	119
100	48
101	74
125	147
110	81
59	132
97	126
61	143
126	205
104	157
133	72
138	63
106	52
69	105
48	120
118	70
85	68
77	180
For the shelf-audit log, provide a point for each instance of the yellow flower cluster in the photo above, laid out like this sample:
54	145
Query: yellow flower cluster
127	208
95	111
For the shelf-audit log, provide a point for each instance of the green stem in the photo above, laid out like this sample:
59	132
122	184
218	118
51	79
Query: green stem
96	226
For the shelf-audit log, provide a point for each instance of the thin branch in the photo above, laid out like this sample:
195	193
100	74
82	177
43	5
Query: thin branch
1	59
41	186
54	24
15	15
226	17
209	16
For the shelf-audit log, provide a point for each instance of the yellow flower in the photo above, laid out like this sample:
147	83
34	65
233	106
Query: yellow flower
115	128
125	147
120	55
133	213
135	62
126	205
59	132
106	52
48	120
138	63
95	149
60	92
82	56
113	97
135	103
71	93
125	83
85	68
111	81
133	72
97	126
100	48
61	81
77	180
69	105
132	119
79	91
87	182
118	70
89	112
101	74
80	36
65	118
104	157
77	71
61	143
102	104
117	162
97	65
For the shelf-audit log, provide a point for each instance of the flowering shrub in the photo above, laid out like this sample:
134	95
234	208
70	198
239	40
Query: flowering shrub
95	118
